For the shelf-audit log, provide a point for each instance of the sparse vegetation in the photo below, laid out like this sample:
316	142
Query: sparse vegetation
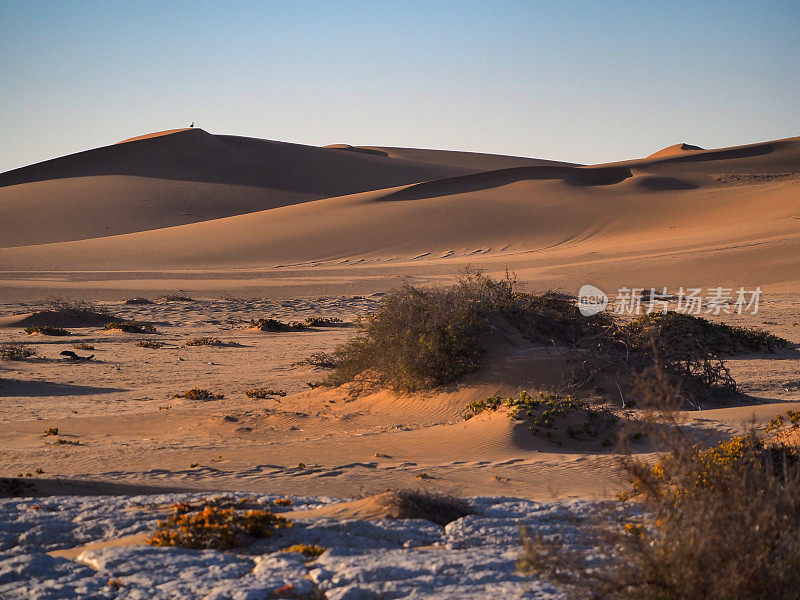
137	301
277	326
264	393
130	327
15	351
149	344
322	360
323	322
175	298
47	330
718	522
199	394
308	550
215	527
424	338
51	431
433	506
283	502
205	341
84	347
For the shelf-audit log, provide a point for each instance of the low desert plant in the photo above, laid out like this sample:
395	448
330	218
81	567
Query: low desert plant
205	341
47	330
322	360
83	347
199	394
718	522
175	298
149	344
436	507
264	393
283	502
323	321
51	431
130	327
276	325
309	550
137	301
214	527
15	351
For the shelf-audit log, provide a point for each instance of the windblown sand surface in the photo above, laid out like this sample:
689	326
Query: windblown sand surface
223	214
302	229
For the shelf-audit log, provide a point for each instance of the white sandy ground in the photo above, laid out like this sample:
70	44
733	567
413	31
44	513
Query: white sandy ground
472	557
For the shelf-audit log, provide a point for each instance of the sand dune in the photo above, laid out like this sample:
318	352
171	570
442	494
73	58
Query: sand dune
710	209
675	149
183	176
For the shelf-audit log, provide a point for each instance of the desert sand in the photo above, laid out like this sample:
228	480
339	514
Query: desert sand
217	230
301	230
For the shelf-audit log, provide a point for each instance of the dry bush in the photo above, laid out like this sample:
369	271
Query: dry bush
47	330
205	341
175	298
83	346
130	327
138	301
714	523
215	527
149	344
15	351
262	393
199	394
323	322
436	507
322	360
307	550
276	325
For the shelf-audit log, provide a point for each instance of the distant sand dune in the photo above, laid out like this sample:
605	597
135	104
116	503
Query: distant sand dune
703	215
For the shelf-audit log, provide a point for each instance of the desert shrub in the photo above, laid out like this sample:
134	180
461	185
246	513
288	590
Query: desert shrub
422	338
713	523
47	330
199	394
215	527
130	327
205	341
51	431
15	351
690	349
276	325
83	347
436	507
137	301
264	393
175	298
309	550
149	344
323	321
322	360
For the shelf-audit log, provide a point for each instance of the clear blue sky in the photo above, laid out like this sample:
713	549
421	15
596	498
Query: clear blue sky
579	81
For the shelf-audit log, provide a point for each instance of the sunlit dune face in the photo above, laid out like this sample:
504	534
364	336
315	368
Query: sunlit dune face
152	135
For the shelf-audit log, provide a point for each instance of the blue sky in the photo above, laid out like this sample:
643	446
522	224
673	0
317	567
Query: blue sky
580	81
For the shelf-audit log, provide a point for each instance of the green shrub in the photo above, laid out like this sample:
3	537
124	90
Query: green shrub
130	327
47	330
14	351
